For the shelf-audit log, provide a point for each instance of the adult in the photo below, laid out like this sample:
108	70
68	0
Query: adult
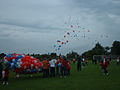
5	76
46	66
1	69
79	63
63	67
58	66
52	67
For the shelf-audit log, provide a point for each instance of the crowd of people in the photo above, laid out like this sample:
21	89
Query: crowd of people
60	67
53	67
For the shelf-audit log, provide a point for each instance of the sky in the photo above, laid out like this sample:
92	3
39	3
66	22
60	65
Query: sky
34	26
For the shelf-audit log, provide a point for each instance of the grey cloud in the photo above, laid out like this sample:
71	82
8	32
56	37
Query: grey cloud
37	16
99	5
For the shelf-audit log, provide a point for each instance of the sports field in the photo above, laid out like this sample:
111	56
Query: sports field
90	78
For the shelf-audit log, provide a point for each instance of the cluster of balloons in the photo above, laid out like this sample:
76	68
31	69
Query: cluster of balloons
74	32
21	63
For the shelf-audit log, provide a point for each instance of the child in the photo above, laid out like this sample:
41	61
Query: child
46	66
63	67
68	68
5	75
104	65
58	67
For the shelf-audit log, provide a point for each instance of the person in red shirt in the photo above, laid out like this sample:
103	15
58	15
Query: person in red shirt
63	67
68	67
104	65
5	75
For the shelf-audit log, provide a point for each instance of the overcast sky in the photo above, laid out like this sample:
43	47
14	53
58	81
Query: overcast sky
34	26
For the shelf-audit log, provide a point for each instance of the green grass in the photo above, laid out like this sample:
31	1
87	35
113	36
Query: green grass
90	78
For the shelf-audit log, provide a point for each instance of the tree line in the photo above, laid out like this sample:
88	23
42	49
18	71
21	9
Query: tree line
98	49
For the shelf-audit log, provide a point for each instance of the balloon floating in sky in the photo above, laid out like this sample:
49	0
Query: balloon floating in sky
76	32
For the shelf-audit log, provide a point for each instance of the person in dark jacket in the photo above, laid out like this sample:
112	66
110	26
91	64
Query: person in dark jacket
79	61
1	69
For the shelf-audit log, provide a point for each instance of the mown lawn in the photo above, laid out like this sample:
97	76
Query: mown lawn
90	78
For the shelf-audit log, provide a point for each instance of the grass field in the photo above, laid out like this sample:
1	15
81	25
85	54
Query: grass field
90	78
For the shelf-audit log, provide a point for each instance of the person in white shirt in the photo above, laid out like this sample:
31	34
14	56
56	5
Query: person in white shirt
52	67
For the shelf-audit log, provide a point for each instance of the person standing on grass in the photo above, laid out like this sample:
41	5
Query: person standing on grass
52	67
79	62
118	60
58	67
104	65
83	61
68	67
46	66
63	67
5	75
1	69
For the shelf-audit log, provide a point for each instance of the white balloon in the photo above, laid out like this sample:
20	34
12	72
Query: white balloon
20	62
35	61
32	65
19	59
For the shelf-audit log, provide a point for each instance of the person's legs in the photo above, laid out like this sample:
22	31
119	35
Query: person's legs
47	72
53	71
62	71
0	75
3	81
105	70
78	67
68	72
44	73
57	70
6	80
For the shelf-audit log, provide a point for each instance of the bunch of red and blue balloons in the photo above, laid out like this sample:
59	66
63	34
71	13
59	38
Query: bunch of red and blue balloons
21	63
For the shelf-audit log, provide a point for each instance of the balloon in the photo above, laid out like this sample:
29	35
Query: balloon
71	26
58	41
22	63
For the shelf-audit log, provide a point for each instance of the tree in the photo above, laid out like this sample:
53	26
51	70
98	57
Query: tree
115	49
97	50
72	55
53	55
107	50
